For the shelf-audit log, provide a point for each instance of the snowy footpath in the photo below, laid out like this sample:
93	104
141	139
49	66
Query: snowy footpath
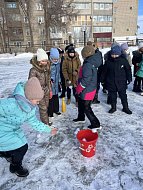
55	163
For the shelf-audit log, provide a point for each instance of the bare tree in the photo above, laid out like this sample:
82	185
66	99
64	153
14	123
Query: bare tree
3	27
55	13
26	8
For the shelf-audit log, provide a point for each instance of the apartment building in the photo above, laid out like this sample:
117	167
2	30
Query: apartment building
104	20
96	20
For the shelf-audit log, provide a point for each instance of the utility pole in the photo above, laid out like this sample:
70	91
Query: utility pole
91	20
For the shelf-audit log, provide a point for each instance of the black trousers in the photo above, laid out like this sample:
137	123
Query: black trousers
122	95
137	83
63	86
16	155
84	108
53	105
74	93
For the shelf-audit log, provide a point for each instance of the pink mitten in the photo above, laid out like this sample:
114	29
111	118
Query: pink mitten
79	89
51	94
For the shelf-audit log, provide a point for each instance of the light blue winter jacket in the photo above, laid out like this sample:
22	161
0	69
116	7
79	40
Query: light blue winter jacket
55	77
140	70
14	111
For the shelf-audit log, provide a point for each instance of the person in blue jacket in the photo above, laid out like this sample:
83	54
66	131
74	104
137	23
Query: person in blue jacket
55	81
14	111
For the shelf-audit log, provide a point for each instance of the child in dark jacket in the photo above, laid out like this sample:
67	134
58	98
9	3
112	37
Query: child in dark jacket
14	111
87	85
117	74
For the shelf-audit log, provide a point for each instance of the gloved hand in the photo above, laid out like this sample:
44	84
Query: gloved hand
75	73
68	83
79	89
51	94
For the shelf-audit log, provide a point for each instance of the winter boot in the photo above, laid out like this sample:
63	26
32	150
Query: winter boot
18	170
113	108
126	109
78	120
68	101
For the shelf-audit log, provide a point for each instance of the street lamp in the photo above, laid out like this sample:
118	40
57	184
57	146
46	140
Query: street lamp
84	34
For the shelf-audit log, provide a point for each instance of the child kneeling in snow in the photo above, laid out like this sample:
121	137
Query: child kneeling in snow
14	111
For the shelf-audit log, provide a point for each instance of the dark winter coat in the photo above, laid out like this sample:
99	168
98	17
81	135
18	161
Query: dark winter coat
116	74
88	76
137	58
43	74
71	66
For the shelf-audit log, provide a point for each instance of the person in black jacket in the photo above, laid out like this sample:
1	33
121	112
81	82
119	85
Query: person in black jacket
117	74
137	57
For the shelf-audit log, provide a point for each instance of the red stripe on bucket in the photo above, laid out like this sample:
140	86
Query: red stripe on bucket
87	141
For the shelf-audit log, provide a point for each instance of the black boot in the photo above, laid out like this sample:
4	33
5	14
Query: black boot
126	109
18	170
113	108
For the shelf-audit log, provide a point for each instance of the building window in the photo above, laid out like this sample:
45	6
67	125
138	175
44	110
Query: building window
102	6
28	32
39	6
82	5
15	17
17	44
102	29
40	19
29	44
11	5
17	32
42	32
25	19
102	18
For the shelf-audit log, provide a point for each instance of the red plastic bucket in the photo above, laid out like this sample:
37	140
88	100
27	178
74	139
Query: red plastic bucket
87	141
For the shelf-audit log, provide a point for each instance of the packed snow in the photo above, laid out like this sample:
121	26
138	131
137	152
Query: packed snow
55	163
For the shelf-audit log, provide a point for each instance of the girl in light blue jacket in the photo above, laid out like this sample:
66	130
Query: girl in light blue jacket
14	111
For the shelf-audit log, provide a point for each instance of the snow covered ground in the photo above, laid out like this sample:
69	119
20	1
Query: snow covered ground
55	163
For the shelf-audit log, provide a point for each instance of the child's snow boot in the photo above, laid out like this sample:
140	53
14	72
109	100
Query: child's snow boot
18	170
113	108
126	109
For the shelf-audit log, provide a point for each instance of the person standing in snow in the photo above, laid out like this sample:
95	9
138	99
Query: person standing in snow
117	74
63	85
140	71
87	85
41	70
137	58
14	111
126	53
55	80
70	69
